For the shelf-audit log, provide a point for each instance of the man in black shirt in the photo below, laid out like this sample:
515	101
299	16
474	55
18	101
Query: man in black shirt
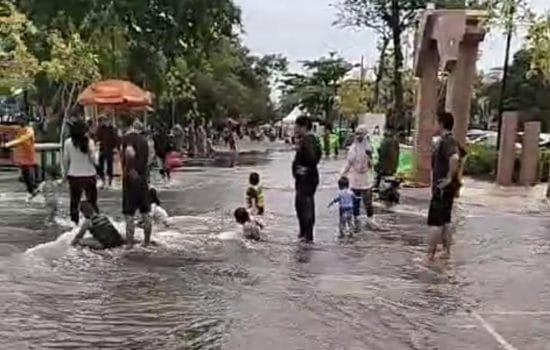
445	184
109	141
306	176
135	186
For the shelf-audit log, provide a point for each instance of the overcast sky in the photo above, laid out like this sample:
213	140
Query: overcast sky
302	29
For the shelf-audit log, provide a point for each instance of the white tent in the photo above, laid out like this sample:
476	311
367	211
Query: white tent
292	116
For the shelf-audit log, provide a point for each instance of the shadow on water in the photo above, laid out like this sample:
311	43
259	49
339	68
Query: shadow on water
202	287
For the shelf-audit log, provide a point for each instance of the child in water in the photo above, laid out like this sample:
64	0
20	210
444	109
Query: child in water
49	189
255	199
251	228
345	199
105	235
158	214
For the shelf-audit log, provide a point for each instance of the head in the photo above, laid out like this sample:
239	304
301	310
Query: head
242	216
78	132
21	120
153	196
138	126
87	209
302	125
360	133
254	179
52	173
103	120
343	183
445	122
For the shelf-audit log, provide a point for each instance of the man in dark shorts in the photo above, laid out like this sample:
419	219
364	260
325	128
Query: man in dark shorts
135	185
445	184
306	176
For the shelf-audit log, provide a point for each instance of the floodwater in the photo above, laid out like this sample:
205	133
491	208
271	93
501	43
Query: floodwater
204	288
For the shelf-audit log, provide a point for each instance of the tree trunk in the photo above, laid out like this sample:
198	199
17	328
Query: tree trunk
380	71
398	115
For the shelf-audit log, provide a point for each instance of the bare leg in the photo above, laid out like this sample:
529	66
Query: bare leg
446	239
147	228
435	238
130	230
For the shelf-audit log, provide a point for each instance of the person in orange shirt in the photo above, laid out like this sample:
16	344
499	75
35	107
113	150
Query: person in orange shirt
24	152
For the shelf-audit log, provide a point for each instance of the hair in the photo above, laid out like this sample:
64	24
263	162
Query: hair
254	179
343	183
87	209
79	138
241	215
153	196
304	121
52	172
446	120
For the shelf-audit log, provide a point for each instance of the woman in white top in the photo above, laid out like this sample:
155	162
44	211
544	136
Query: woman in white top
359	171
80	167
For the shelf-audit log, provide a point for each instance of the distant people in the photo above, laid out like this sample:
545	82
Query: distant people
135	186
251	228
232	142
346	203
306	176
388	156
445	184
25	154
80	167
49	188
191	140
179	137
201	139
358	169
376	131
109	142
104	233
327	140
163	147
255	199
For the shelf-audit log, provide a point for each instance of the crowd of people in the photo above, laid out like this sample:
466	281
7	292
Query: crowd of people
83	164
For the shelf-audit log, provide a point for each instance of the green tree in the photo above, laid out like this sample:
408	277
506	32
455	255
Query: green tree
538	41
354	96
317	90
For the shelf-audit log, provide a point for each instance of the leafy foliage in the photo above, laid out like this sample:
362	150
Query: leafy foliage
538	40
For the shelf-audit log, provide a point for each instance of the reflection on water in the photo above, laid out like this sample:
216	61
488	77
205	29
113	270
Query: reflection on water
202	287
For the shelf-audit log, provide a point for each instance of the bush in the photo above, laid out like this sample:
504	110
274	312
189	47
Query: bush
481	161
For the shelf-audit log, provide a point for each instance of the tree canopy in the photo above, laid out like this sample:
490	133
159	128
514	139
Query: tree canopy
187	52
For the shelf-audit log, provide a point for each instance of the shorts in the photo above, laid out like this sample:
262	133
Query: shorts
346	213
135	196
441	207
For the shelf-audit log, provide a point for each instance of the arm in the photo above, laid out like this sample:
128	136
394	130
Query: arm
25	137
85	227
66	160
334	201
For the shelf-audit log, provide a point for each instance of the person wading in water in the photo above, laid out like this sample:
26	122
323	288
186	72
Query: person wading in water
135	184
306	176
445	184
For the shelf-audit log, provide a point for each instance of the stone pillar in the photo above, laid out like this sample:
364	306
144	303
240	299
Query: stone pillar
426	114
460	86
507	152
530	154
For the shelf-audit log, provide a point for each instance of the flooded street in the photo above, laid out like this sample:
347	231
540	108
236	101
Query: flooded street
203	288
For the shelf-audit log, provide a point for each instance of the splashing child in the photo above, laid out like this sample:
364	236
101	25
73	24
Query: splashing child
104	233
251	228
49	188
158	214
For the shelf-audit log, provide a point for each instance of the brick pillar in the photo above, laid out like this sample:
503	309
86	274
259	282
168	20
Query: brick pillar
426	114
530	154
460	86
507	152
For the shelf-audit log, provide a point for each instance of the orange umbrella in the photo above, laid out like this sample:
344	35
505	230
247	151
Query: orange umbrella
115	93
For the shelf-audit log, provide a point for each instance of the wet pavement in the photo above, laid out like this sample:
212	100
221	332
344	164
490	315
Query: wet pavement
203	288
